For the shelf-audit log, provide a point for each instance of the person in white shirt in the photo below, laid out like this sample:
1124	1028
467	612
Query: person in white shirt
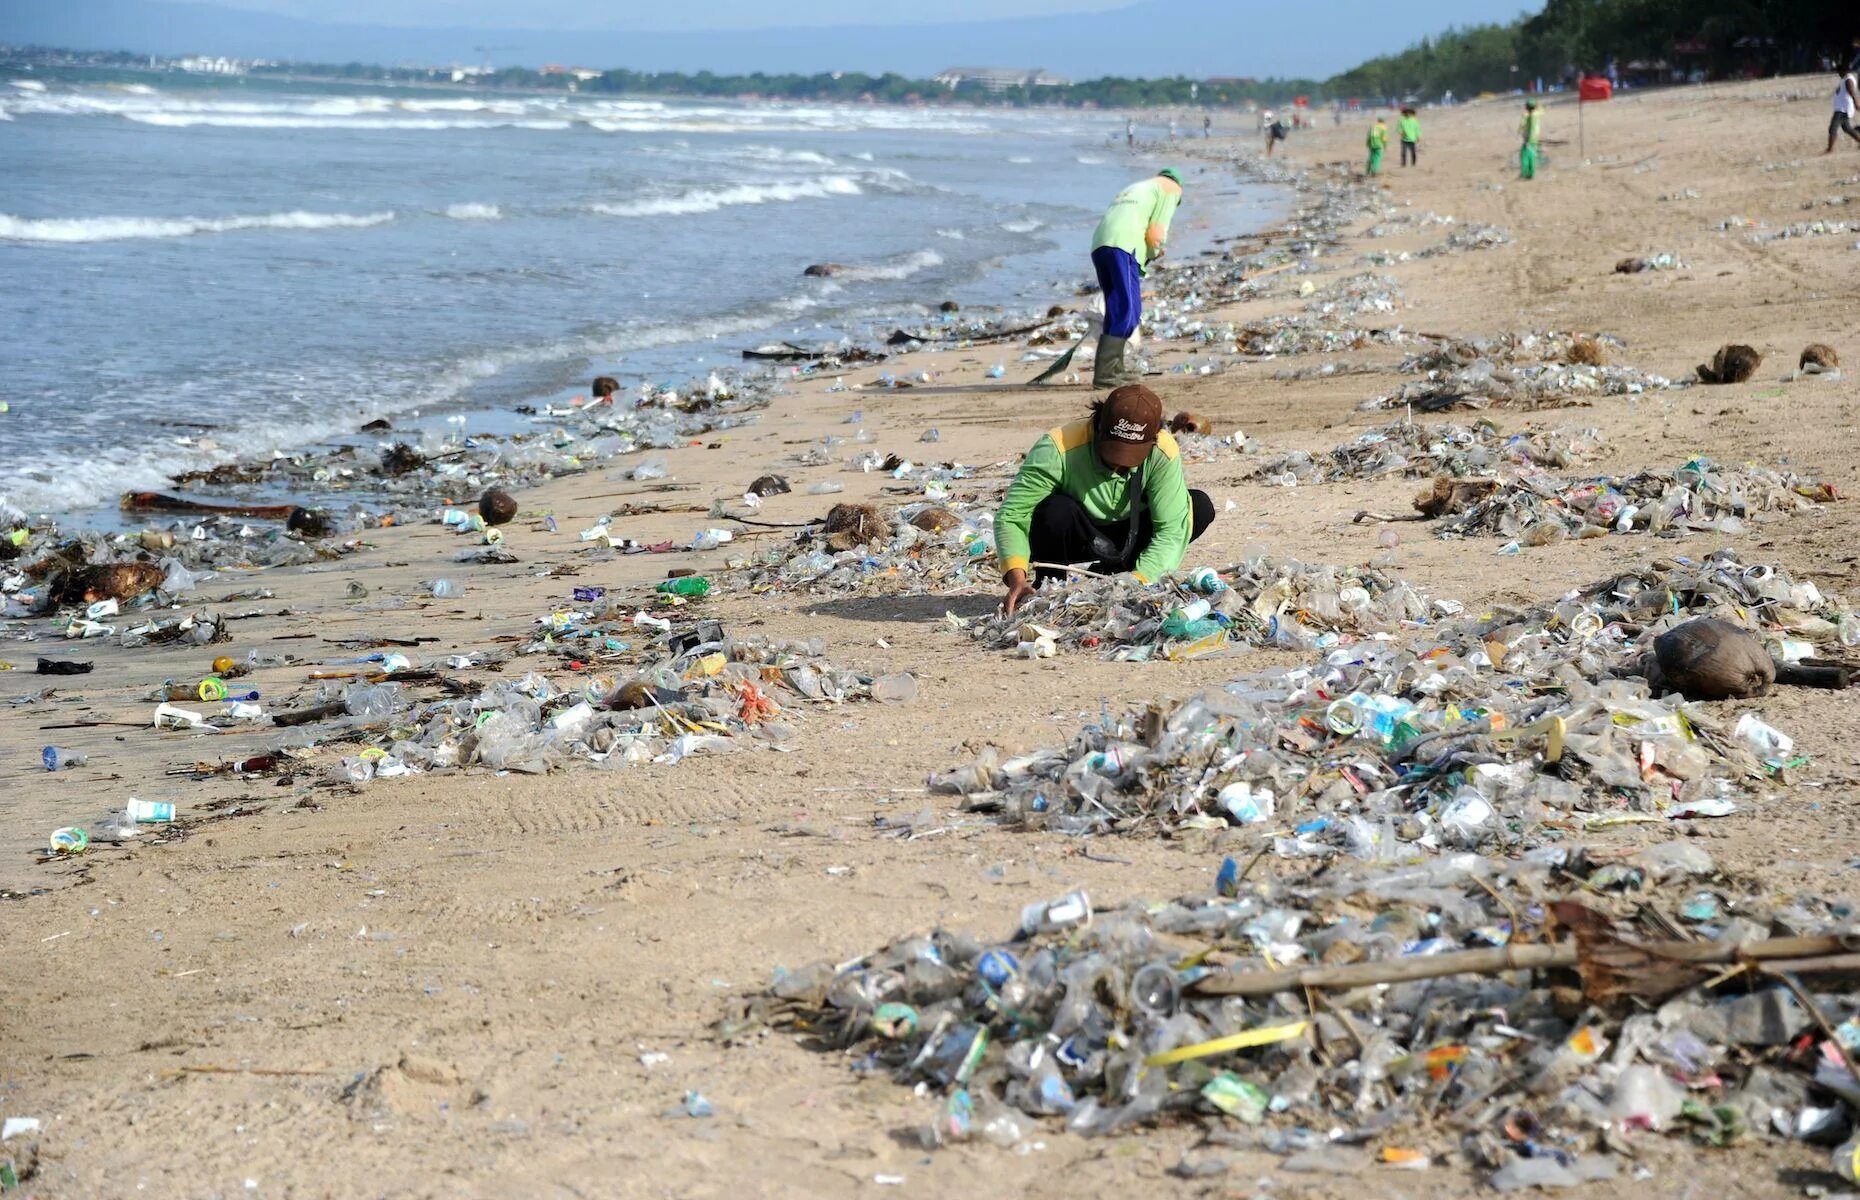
1846	103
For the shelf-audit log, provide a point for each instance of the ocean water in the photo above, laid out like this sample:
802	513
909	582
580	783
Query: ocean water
191	273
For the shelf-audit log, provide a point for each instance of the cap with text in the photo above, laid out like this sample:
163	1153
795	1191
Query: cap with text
1127	426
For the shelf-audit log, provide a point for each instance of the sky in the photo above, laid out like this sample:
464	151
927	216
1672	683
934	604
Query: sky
692	14
1081	39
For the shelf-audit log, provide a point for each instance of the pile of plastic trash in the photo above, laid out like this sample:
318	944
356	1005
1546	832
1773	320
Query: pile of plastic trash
1309	333
1699	497
1804	229
1484	384
1273	602
1496	731
1513	1017
695	690
1356	295
928	548
1411	449
1470	236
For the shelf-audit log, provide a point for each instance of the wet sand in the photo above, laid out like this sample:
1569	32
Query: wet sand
501	960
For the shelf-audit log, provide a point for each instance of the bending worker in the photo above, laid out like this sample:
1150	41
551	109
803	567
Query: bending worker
1108	490
1129	238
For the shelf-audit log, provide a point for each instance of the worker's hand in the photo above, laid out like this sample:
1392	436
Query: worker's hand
1018	589
1156	253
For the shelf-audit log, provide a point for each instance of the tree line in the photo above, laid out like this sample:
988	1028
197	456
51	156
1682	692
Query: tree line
1650	40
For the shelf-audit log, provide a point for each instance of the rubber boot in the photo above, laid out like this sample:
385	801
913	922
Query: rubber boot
1108	369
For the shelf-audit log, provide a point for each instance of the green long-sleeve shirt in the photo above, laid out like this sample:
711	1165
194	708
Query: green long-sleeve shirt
1378	136
1138	220
1066	460
1411	129
1531	128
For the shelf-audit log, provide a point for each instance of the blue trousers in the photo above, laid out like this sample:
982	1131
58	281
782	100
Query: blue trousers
1122	284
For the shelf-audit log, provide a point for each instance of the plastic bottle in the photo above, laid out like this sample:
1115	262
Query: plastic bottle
1845	1161
446	589
826	487
710	539
57	758
692	587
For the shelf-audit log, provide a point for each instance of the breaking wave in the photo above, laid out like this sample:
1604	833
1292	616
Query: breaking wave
707	200
115	229
474	212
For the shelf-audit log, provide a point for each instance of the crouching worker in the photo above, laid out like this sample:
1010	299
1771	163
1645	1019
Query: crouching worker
1108	491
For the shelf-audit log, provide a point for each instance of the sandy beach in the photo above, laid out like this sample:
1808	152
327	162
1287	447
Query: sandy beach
491	985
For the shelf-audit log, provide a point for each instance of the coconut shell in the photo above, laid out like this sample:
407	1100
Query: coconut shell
309	522
1710	659
497	507
936	519
1733	363
1446	497
1819	355
850	525
770	485
1632	266
1586	351
1189	422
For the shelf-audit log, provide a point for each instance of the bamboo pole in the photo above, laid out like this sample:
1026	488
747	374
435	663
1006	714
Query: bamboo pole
1810	950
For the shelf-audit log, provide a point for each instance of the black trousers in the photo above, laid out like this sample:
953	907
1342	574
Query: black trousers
1411	154
1062	532
1842	123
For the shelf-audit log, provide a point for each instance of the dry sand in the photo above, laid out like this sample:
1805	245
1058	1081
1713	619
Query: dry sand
447	986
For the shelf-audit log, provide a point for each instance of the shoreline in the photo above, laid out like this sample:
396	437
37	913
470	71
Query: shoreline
592	917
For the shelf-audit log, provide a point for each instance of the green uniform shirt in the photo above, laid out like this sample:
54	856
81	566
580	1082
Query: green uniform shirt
1066	460
1378	136
1532	127
1138	220
1411	129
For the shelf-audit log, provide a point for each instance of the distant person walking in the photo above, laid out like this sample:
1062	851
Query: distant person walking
1132	235
1531	130
1207	126
1130	134
1378	142
1846	104
1172	129
1410	129
1275	132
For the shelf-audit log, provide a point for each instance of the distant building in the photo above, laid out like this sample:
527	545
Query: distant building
998	79
205	65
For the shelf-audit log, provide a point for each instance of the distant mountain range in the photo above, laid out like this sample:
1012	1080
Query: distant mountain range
1198	38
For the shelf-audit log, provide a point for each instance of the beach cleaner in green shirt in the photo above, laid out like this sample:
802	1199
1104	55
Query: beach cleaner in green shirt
1410	129
1378	142
1129	238
1531	129
1108	490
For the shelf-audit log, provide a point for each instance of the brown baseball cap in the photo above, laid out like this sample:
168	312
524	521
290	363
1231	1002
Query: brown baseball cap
1127	426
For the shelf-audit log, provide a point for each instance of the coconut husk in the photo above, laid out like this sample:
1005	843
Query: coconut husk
850	525
400	459
309	522
1588	352
1819	355
108	581
936	519
1632	266
824	270
949	306
497	507
1189	422
770	485
1710	659
1446	497
1734	363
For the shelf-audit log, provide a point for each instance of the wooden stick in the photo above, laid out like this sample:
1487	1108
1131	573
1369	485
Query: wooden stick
1501	958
